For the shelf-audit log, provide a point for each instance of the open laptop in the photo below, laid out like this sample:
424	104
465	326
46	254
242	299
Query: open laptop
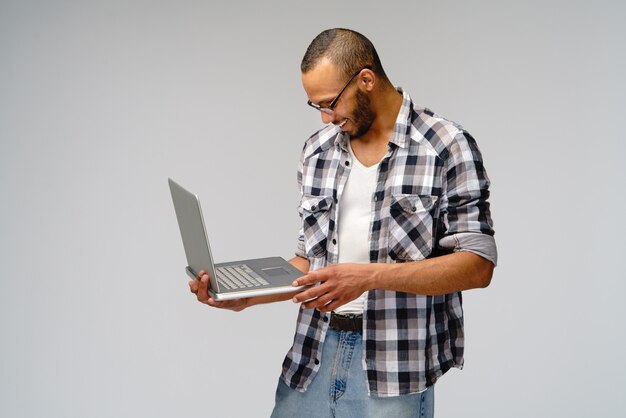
235	279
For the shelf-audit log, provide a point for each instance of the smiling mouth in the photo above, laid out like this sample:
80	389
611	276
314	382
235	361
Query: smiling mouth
342	123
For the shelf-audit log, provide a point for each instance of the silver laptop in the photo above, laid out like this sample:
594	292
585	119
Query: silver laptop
235	279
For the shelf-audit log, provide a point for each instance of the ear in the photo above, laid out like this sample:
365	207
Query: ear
367	79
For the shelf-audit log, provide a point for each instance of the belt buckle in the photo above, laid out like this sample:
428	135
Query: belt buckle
350	322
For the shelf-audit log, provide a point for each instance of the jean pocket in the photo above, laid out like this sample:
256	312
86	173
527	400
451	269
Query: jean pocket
316	223
411	226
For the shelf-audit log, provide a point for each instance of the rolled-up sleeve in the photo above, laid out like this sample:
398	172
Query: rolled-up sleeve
465	204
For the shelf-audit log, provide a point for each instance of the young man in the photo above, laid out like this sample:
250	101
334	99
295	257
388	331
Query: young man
396	223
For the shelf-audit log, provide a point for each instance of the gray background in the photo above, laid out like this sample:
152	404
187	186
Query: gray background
101	101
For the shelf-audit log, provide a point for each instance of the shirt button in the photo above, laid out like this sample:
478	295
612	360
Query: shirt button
313	207
347	162
317	362
325	318
334	241
414	209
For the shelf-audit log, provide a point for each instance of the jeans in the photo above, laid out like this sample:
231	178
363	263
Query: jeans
340	388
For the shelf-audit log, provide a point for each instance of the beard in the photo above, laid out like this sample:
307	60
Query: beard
363	116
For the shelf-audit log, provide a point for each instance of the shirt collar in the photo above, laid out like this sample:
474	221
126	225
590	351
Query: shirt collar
401	135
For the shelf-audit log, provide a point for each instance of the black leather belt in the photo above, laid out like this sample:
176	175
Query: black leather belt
352	323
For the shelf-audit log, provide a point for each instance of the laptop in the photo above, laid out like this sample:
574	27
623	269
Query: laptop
235	279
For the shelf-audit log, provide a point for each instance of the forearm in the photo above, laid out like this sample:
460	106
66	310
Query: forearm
435	276
341	283
300	263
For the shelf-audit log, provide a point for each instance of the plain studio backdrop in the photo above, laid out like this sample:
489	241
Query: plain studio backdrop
101	101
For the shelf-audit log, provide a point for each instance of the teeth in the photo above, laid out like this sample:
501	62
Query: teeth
343	123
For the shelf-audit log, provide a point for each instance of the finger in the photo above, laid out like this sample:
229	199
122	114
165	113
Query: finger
319	303
323	301
200	274
334	304
202	293
234	305
218	304
310	278
312	293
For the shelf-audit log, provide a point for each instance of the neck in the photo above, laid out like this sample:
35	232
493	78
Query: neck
372	147
386	104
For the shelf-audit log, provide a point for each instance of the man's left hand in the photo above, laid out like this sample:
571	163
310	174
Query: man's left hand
338	285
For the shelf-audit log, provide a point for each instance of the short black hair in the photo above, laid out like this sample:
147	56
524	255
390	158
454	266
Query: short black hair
347	49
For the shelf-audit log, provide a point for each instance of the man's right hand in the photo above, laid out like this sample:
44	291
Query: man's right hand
200	287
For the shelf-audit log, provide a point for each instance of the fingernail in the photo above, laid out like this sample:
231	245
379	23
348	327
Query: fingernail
294	300
205	278
295	283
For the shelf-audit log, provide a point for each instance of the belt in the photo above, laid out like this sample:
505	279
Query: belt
352	323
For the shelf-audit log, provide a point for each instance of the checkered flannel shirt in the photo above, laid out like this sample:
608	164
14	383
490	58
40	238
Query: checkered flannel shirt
431	198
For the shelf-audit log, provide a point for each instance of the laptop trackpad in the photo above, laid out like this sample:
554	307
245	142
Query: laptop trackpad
275	272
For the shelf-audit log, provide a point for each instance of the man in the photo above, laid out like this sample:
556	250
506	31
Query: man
396	224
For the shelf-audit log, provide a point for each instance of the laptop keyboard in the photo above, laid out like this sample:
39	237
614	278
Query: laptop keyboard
239	277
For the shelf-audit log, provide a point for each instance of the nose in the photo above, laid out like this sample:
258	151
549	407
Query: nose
326	118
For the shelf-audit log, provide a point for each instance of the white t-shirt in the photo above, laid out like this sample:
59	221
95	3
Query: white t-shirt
354	214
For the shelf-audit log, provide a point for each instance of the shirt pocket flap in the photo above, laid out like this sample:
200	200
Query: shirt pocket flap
314	204
412	203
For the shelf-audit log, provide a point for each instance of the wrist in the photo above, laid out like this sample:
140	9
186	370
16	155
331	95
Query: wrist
376	276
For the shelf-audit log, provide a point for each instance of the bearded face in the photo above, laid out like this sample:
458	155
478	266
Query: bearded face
363	116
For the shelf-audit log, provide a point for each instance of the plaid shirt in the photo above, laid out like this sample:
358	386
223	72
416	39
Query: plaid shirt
431	198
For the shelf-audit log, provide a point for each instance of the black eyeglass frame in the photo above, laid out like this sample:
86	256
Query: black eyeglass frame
329	109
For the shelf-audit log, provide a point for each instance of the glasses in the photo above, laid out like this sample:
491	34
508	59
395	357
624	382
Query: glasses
329	109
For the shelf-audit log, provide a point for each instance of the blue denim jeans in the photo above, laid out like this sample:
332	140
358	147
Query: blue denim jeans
340	388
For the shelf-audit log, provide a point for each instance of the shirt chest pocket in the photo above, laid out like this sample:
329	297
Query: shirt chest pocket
316	224
411	226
